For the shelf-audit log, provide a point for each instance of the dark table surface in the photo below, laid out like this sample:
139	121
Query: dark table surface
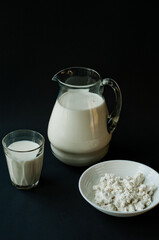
119	41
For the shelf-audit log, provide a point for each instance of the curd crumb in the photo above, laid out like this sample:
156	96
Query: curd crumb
123	194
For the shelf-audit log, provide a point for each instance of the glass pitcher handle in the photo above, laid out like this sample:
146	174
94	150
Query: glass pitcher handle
114	116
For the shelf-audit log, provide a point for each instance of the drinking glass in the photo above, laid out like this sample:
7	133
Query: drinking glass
24	151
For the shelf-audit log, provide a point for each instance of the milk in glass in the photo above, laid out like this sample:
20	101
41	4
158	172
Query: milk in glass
24	162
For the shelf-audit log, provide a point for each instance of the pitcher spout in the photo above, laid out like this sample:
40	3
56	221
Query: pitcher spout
61	76
55	78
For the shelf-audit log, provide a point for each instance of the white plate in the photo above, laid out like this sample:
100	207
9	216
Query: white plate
121	168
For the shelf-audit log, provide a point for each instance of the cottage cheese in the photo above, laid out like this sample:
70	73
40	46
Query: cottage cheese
123	194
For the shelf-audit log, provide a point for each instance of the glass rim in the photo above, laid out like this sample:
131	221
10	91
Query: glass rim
77	86
23	151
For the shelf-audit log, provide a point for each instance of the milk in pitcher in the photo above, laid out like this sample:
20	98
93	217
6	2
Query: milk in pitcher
77	127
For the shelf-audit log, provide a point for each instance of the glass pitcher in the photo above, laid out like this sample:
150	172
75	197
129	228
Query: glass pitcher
80	127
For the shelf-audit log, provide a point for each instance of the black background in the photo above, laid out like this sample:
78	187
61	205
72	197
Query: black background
118	39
